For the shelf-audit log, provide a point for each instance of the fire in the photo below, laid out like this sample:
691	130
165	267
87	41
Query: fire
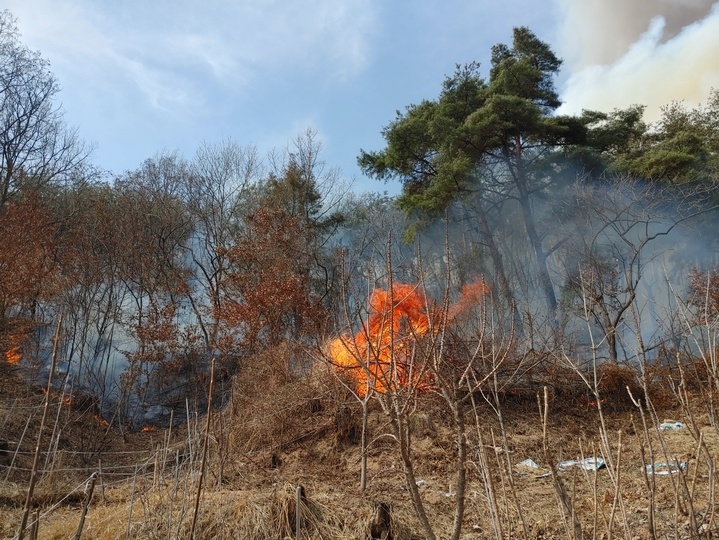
100	420
585	402
67	400
148	429
380	353
472	294
381	356
14	354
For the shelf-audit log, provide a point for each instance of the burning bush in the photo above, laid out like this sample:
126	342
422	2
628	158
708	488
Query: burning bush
14	339
381	354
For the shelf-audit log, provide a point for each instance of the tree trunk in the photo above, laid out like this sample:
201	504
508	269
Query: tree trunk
520	181
461	484
403	436
363	463
505	289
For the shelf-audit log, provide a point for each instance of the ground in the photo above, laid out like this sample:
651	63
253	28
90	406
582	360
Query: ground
260	447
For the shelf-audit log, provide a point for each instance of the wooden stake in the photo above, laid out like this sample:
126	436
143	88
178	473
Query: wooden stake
102	481
298	511
156	470
128	534
86	504
35	525
204	449
36	460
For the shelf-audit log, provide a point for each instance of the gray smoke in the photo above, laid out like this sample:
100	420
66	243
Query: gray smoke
650	52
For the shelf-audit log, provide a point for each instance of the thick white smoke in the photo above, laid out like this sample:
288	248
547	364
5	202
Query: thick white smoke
648	52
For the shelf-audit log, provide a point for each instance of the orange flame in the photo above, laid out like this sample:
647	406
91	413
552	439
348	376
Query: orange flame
381	356
100	420
67	400
14	355
472	294
148	429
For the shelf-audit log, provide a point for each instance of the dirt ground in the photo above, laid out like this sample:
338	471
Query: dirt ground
257	456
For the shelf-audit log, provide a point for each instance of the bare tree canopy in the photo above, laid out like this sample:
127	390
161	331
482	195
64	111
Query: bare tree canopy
36	147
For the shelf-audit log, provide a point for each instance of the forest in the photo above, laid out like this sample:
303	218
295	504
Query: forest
528	253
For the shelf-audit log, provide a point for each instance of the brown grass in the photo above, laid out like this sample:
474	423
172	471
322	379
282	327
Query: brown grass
281	431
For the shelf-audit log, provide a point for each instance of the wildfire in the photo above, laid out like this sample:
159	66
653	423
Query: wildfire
148	429
67	400
100	420
380	356
14	354
472	294
585	402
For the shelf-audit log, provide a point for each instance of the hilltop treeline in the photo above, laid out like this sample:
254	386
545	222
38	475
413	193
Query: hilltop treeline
593	233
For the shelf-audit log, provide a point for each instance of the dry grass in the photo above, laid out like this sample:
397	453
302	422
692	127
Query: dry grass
281	431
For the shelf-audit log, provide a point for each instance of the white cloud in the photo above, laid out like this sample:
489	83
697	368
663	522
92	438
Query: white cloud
172	51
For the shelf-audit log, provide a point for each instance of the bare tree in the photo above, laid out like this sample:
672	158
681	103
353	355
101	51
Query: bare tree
218	192
36	147
409	346
625	233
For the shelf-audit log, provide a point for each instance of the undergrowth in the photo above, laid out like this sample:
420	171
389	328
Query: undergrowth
282	432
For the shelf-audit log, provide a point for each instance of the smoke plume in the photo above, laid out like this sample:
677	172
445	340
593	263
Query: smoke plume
648	52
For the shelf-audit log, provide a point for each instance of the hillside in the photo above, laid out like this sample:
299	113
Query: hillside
265	443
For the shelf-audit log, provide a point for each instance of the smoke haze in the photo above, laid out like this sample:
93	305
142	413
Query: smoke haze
648	52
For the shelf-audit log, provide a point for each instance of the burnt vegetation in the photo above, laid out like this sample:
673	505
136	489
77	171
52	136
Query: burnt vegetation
544	287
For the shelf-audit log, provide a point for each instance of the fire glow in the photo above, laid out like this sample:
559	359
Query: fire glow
67	400
14	354
380	356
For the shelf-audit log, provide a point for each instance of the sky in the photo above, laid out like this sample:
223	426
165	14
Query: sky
141	77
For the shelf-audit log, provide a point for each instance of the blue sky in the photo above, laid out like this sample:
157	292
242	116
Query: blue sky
139	77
